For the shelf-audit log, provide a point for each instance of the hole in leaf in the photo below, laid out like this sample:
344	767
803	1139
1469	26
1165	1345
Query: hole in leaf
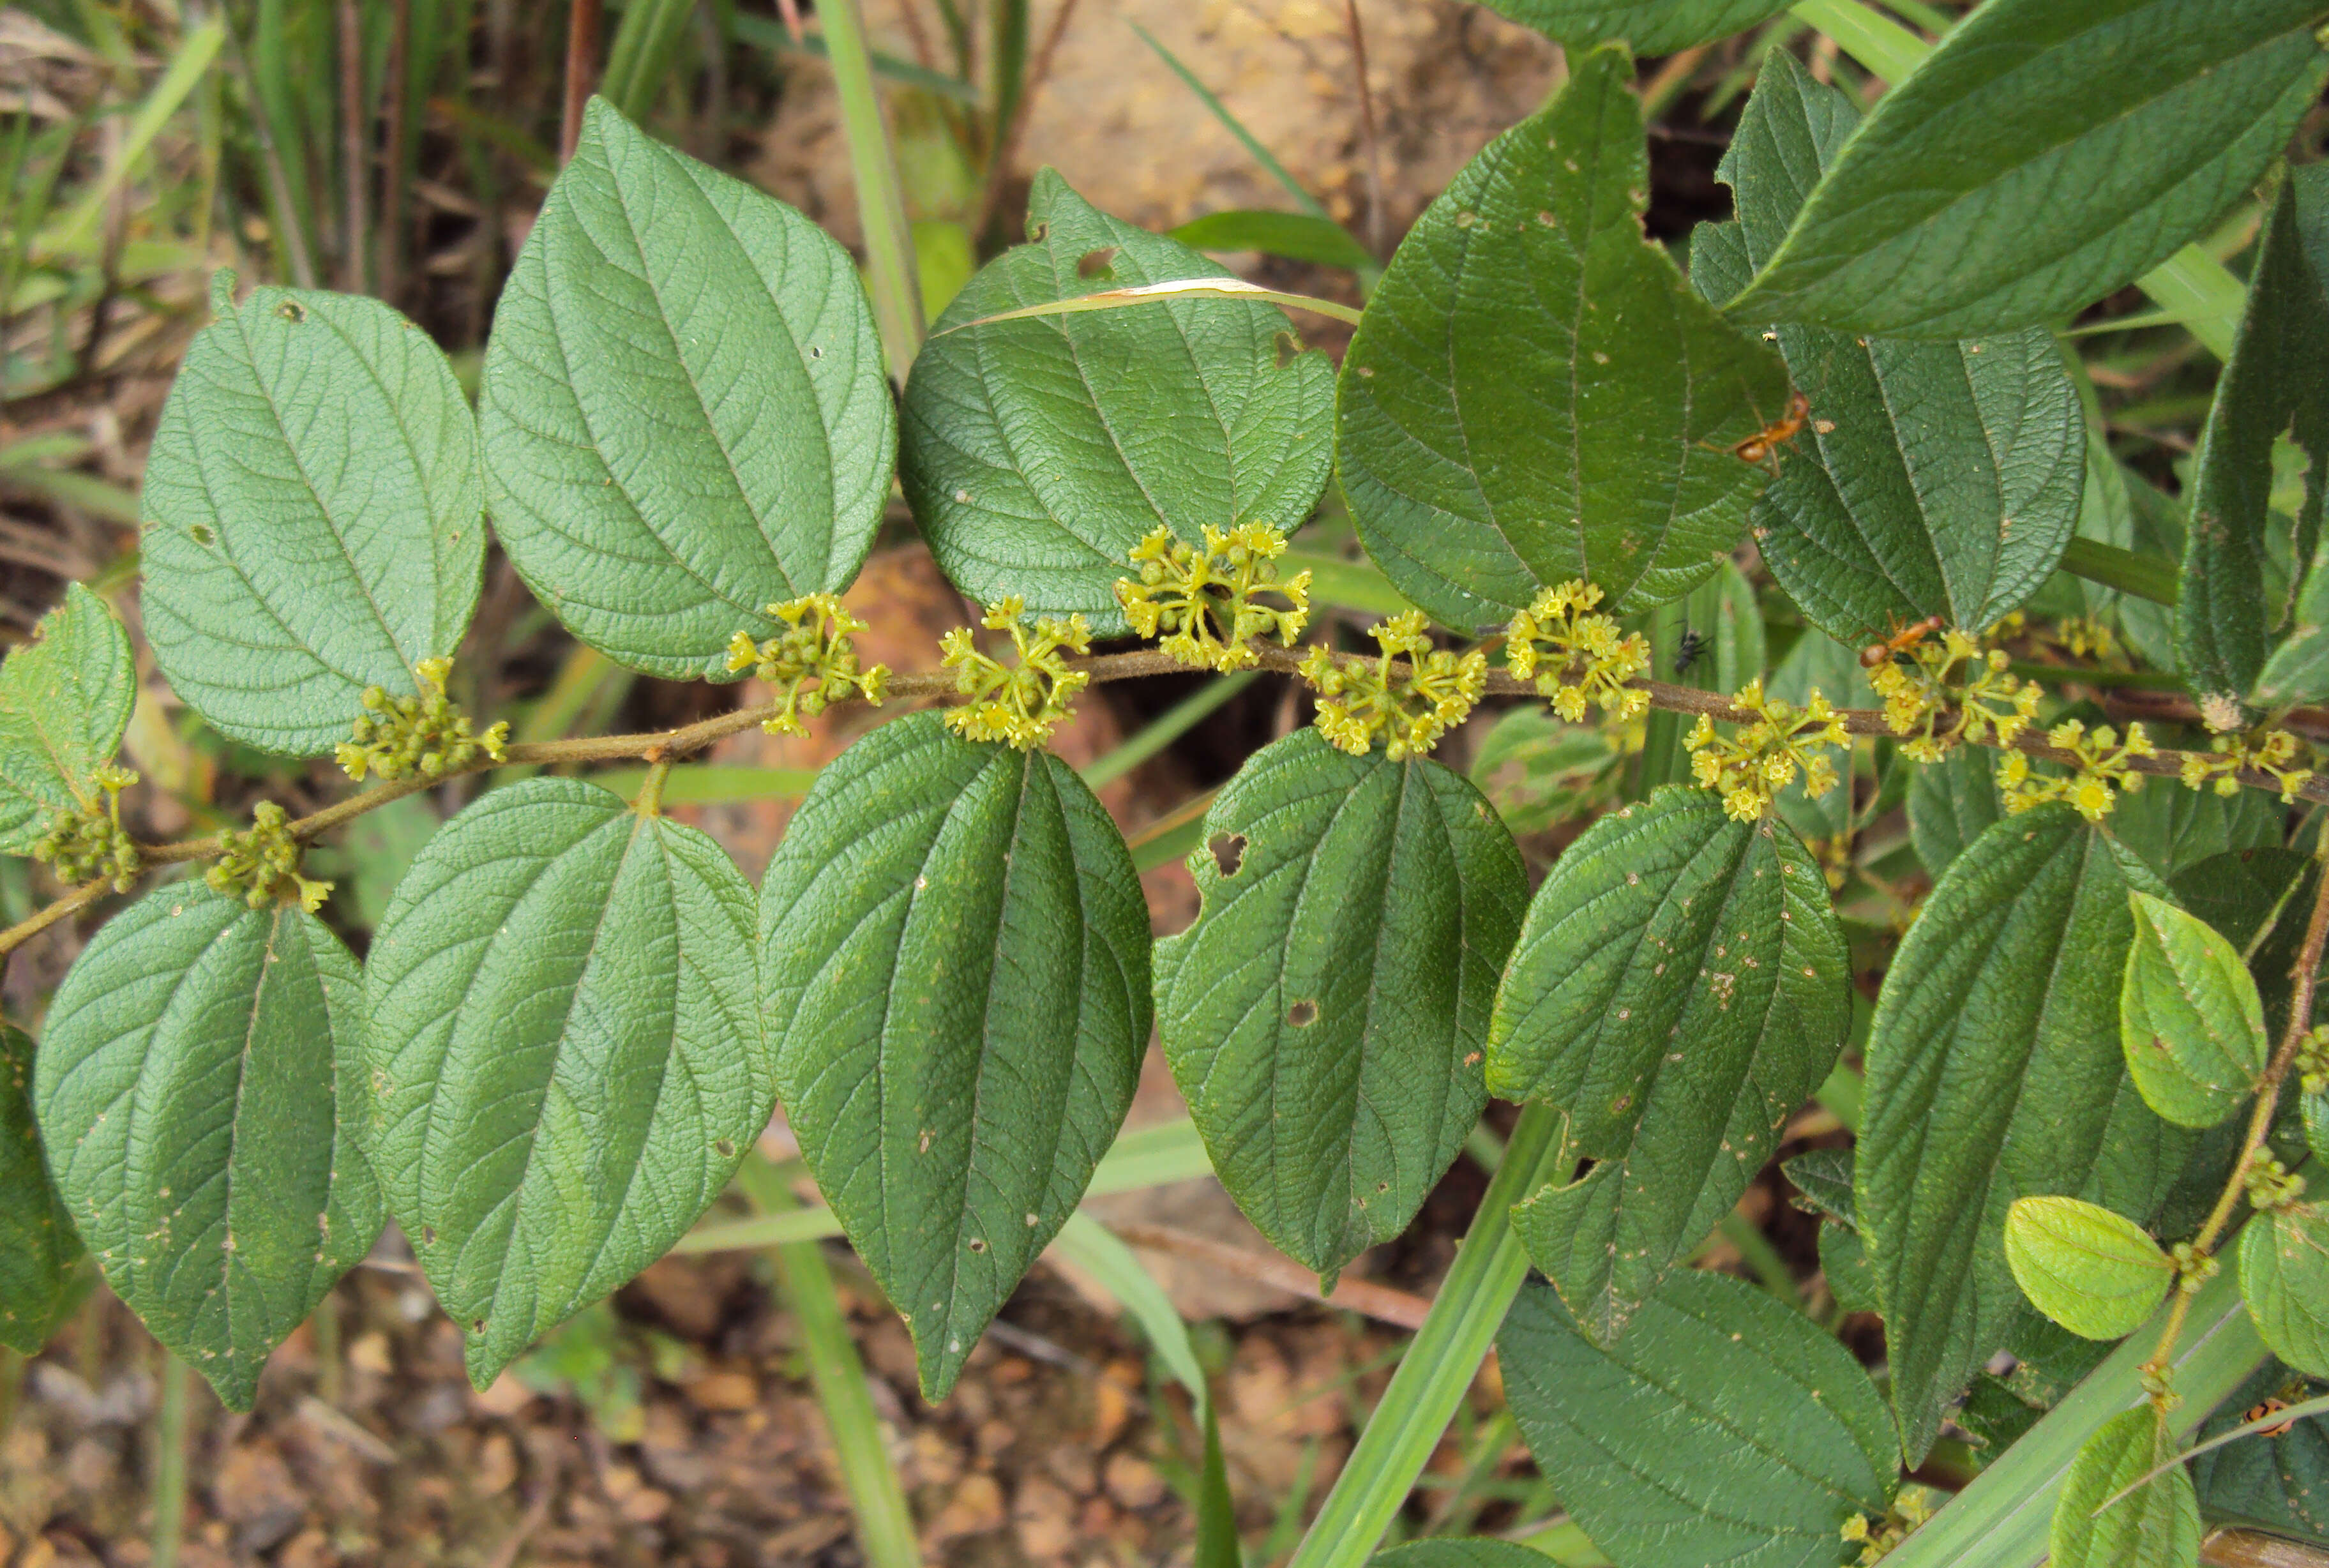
1303	1013
1040	231
1584	1169
977	1246
292	310
814	352
1096	263
725	1148
428	1235
1228	852
1289	349
479	1327
202	533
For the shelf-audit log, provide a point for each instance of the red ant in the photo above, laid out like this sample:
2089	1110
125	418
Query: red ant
1901	639
1762	449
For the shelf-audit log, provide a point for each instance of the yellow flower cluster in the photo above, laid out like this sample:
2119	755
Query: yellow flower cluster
426	735
89	844
2102	771
815	646
1409	704
1576	656
263	865
1750	767
1203	606
1951	692
1877	1538
2268	751
1022	704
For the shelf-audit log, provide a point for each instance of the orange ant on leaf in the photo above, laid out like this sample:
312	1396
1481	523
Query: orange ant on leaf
1899	641
1762	449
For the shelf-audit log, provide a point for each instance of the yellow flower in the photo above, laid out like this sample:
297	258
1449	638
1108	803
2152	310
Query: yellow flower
1203	606
1750	767
1021	705
1410	704
1577	658
815	646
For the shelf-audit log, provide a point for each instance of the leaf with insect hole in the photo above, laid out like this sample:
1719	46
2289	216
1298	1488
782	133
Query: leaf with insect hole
1325	1016
565	1062
1934	479
1679	990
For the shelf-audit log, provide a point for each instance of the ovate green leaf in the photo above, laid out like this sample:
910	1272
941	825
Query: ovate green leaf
64	702
2044	155
1535	394
685	413
1325	1015
2284	1280
1934	478
1038	452
565	1062
1726	1427
38	1244
196	1088
1650	26
1952	802
1995	1072
954	966
1679	988
314	517
2189	1016
2156	1526
2097	1273
2174	830
2276	383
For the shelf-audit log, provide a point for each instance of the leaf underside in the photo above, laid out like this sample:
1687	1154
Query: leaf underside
2190	1017
2284	1280
2157	1525
64	703
954	971
1324	1016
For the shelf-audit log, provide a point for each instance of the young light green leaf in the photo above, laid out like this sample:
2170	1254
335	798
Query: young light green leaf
1951	803
1325	1013
314	517
2278	1483
1526	347
1649	26
1995	1072
2097	1273
2043	155
2189	1018
2285	1280
954	966
196	1090
1934	479
684	410
1679	988
64	702
1725	1427
565	1064
38	1244
2276	384
1037	452
2156	1526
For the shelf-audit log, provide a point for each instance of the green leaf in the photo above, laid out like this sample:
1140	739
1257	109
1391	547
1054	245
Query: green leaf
955	972
565	1060
1995	1072
2189	1018
1934	478
1824	1178
2097	1273
1844	1263
2298	669
1449	1553
1298	236
1650	26
684	411
1819	663
1954	801
2041	157
2276	1484
1680	988
1325	1015
2176	830
2157	1525
1726	1427
1038	452
314	517
196	1087
38	1245
64	702
2276	384
1524	350
2285	1280
1540	772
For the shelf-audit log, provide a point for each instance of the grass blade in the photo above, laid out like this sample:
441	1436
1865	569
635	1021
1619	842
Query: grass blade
1231	123
1171	289
195	53
1296	236
1166	728
881	204
639	60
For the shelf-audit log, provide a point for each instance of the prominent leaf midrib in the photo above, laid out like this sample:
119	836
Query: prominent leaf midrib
228	1167
300	466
